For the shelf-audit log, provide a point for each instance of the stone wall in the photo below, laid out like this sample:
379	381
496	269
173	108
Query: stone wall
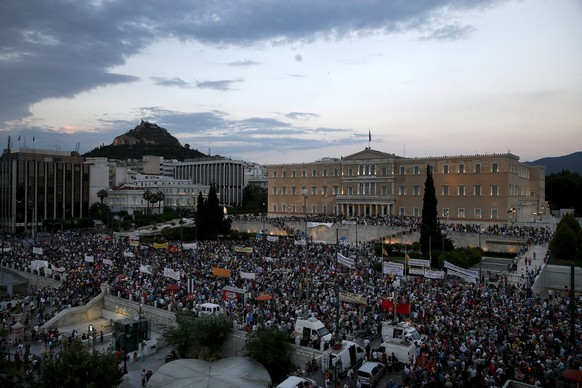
71	316
557	277
34	280
159	318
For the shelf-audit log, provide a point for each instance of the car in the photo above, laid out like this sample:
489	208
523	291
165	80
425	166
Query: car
298	382
370	373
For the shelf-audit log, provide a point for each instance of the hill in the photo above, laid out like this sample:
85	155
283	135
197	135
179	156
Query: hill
572	162
145	139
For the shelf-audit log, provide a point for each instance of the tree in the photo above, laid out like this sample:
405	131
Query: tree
210	219
147	196
198	337
430	232
158	198
75	366
271	348
567	241
254	199
102	194
100	211
564	191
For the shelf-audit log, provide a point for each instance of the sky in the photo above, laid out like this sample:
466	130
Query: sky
293	81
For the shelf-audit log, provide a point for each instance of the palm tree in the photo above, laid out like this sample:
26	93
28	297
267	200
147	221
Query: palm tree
147	196
102	194
159	197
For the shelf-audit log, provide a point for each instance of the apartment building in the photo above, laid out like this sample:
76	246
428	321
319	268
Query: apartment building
489	187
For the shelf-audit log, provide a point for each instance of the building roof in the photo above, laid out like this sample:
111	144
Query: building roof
228	372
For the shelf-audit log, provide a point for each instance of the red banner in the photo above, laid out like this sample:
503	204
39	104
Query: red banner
387	305
403	308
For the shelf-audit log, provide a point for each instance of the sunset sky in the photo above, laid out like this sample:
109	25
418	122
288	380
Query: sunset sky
294	81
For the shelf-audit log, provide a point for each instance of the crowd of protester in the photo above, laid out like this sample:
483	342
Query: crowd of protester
476	334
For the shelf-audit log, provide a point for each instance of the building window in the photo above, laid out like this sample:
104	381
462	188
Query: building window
477	213
402	170
416	190
275	191
274	174
293	209
314	209
314	190
461	212
284	190
416	212
431	169
478	167
293	190
324	190
416	170
446	213
402	211
335	172
446	169
494	214
461	190
461	168
284	174
274	208
293	174
314	172
402	190
384	190
445	190
324	209
384	171
350	172
494	190
303	173
325	172
477	190
335	190
494	167
350	190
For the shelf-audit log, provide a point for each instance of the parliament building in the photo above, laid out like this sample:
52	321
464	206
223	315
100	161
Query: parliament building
469	188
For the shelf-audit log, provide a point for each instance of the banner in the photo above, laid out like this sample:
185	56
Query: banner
352	298
416	271
301	242
145	268
389	267
341	259
48	271
419	263
429	273
466	272
107	261
387	305
160	245
37	251
36	264
403	308
466	278
316	224
128	254
6	249
170	273
243	249
221	272
273	238
59	269
247	275
133	243
191	246
89	258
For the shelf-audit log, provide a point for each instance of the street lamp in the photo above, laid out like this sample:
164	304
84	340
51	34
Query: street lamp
305	210
480	254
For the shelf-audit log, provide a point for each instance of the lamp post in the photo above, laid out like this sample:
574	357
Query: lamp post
305	210
480	254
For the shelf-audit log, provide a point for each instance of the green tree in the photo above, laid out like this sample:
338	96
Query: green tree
564	191
567	241
75	366
147	196
210	219
198	337
100	211
254	199
271	348
430	232
102	194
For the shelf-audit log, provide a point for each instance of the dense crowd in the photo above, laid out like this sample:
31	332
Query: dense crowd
476	334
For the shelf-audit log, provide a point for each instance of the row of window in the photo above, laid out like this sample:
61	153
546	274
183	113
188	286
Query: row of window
370	170
369	189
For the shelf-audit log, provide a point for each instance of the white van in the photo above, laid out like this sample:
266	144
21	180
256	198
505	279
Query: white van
350	353
403	349
305	328
401	330
208	309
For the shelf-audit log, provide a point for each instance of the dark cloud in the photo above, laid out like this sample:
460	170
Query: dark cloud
60	48
223	85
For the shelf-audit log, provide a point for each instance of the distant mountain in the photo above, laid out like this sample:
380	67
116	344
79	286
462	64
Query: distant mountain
145	139
572	162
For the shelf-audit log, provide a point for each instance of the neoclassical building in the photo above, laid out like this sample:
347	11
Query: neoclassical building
489	187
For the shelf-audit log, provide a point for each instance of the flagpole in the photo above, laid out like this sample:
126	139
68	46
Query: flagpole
337	284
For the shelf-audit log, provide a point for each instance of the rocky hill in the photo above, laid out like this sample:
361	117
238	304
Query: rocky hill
145	139
572	162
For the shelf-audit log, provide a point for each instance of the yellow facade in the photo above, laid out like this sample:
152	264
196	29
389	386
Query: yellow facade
471	188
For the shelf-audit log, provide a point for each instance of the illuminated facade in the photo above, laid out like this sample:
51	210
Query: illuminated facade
490	187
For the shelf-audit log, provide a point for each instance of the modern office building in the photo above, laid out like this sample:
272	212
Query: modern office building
225	174
36	185
489	187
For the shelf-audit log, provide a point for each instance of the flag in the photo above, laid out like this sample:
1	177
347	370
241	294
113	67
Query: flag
369	135
387	306
160	245
341	259
384	253
403	308
145	268
406	256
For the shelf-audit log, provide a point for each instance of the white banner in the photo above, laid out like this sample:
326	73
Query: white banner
273	238
466	272
247	275
389	267
89	258
35	264
6	249
170	273
59	269
419	263
128	254
191	246
300	242
415	271
469	279
48	271
429	273
107	261
341	259
145	268
37	250
316	224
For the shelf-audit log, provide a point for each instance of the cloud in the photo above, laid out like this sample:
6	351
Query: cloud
449	32
243	63
170	82
223	85
59	48
301	116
